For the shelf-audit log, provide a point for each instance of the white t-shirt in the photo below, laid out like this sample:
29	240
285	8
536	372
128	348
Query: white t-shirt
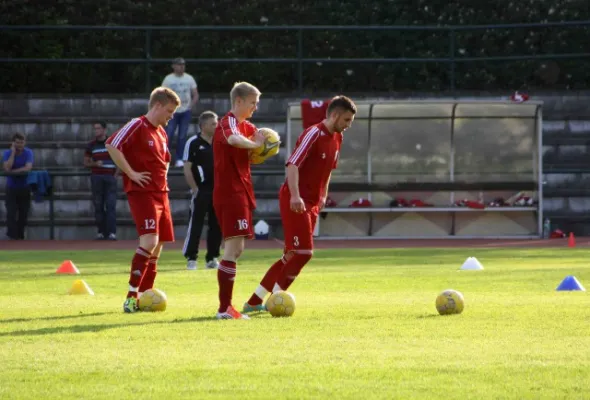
182	85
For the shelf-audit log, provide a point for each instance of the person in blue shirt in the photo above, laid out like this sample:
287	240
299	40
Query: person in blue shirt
18	160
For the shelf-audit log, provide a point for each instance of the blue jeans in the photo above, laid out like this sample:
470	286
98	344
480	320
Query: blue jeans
104	196
181	120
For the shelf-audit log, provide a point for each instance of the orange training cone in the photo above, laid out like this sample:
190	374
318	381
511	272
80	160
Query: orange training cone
571	241
67	267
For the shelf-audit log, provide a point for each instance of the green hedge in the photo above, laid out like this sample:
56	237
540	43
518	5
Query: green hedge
281	77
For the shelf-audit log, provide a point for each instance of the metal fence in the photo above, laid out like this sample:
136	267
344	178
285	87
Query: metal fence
454	57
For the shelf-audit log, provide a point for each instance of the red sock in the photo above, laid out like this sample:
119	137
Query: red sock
267	282
138	267
226	274
292	269
150	275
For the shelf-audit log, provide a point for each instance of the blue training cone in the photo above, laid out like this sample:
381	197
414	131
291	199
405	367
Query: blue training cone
570	283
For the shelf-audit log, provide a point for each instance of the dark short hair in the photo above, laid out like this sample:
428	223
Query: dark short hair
18	136
341	103
206	116
101	123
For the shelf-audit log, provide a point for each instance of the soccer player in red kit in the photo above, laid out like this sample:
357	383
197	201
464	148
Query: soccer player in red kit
140	150
303	195
233	193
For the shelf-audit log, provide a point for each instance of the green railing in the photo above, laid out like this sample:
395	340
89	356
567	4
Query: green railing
454	57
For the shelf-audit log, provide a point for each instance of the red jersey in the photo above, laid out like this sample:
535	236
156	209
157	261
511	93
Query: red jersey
231	168
145	148
313	112
316	155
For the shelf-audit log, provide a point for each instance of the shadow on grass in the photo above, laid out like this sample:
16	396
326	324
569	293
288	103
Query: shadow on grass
28	273
97	328
56	317
426	316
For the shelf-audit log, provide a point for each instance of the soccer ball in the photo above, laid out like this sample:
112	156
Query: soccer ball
281	304
269	149
450	302
153	300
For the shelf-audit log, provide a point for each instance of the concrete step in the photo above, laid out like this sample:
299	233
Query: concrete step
566	192
565	107
27	106
78	208
174	195
561	141
81	184
567	156
67	129
62	154
76	232
566	178
84	229
567	204
553	126
573	106
566	127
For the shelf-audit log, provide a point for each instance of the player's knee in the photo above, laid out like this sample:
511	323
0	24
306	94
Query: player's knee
238	252
233	248
157	250
149	242
303	256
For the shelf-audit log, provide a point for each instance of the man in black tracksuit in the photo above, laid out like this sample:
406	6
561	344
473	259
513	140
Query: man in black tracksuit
198	172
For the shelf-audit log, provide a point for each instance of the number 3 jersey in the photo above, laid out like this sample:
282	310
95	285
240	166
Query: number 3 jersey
145	148
316	155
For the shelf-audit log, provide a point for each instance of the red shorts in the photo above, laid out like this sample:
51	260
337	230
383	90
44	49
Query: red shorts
151	213
235	219
298	228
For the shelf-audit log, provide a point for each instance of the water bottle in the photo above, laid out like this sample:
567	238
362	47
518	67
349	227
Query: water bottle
546	228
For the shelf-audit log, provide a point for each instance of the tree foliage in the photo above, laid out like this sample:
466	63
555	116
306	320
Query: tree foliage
118	77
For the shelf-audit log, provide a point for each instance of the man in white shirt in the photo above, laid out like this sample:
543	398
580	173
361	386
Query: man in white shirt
185	87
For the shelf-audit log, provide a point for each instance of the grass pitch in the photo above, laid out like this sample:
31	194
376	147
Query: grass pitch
365	327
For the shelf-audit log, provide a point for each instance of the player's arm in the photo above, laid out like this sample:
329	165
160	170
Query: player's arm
293	179
26	168
194	94
88	161
325	195
141	178
300	153
235	138
8	159
297	204
243	142
28	163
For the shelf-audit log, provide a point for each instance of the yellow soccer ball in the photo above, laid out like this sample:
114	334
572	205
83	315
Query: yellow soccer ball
153	300
450	302
281	304
269	149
